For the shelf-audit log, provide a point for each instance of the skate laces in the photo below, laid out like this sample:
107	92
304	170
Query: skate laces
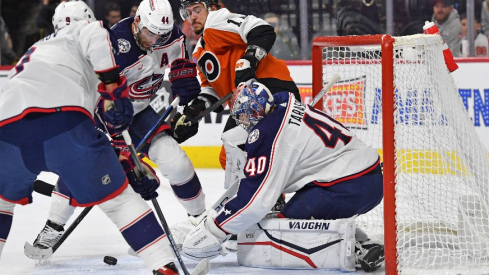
48	237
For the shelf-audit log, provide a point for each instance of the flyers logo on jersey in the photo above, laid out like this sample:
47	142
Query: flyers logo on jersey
209	66
345	102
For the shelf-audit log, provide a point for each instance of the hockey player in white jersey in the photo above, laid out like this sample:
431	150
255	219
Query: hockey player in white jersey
149	43
46	124
290	148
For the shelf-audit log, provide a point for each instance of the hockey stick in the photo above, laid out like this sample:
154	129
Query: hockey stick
44	254
43	187
167	112
46	189
204	264
323	91
212	108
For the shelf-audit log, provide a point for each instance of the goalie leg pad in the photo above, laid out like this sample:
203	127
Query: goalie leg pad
299	244
138	225
6	217
175	165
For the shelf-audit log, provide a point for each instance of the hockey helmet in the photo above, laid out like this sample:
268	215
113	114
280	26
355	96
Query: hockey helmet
67	13
185	3
250	103
157	17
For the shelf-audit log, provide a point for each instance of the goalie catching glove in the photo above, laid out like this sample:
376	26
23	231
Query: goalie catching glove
144	182
183	78
181	124
205	240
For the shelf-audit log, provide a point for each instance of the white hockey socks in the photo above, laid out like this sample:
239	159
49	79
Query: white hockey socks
138	224
175	165
61	210
6	217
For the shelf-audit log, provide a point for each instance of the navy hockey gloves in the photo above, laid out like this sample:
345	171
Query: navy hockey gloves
246	66
183	78
144	183
180	124
117	114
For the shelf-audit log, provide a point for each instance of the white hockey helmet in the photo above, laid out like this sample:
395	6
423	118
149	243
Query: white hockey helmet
68	13
157	17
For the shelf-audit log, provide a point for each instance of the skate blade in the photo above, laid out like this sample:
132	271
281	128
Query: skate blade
37	253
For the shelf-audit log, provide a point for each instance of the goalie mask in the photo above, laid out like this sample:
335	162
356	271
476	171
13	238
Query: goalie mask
68	13
186	3
250	103
155	24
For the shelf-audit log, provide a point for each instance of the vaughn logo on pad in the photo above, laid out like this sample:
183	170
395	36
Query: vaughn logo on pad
309	225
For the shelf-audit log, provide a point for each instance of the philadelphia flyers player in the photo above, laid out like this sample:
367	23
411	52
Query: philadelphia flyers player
46	124
233	48
293	148
149	43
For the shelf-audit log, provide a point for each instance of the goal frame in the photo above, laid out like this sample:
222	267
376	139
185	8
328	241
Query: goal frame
387	45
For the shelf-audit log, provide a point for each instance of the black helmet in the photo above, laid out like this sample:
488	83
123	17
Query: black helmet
185	3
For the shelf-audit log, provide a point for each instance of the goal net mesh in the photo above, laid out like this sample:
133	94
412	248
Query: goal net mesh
441	166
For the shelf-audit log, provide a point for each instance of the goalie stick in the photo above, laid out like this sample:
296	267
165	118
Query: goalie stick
326	87
204	265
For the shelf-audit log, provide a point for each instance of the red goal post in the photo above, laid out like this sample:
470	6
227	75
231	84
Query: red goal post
396	94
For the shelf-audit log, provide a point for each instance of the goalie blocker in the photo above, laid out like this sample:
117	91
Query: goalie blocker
299	244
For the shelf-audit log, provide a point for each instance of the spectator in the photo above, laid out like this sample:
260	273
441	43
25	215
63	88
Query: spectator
286	46
45	16
8	55
134	8
446	18
112	13
481	47
485	17
354	17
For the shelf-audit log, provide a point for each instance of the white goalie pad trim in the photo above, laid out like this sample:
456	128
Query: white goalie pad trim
299	244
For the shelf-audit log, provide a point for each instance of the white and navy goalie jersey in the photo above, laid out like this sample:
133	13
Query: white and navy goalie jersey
289	148
145	71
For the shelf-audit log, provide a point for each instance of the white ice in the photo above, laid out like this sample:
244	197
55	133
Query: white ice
96	237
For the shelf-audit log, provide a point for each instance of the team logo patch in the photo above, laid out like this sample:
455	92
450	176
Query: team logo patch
124	45
253	136
105	179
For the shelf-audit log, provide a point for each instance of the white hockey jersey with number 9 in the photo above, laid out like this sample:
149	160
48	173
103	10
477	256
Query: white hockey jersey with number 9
289	148
58	73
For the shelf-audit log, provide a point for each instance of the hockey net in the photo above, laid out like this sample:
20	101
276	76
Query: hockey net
434	215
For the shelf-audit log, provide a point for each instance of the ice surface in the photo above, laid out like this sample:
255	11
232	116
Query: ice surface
96	237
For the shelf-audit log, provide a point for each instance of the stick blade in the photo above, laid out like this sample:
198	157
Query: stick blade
37	253
202	267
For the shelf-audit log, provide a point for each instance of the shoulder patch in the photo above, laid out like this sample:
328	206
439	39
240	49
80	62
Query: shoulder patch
253	136
124	45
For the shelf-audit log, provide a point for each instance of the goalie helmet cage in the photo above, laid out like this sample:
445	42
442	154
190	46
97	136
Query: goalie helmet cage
397	95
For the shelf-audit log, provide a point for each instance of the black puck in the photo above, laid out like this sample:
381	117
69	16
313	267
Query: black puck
110	260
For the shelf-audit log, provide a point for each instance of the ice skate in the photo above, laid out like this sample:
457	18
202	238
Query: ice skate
169	269
369	255
49	235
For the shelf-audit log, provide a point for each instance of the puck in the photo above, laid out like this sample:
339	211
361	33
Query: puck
110	260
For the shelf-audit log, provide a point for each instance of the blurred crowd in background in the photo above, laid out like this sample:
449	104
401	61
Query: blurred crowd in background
26	21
